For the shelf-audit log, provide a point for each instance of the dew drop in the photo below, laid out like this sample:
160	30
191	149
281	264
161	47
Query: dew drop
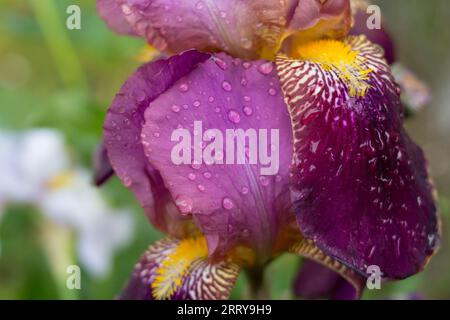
176	108
248	111
247	65
266	68
184	203
272	92
264	181
244	190
183	87
201	187
221	64
191	176
127	181
226	86
196	103
196	166
207	175
227	203
234	116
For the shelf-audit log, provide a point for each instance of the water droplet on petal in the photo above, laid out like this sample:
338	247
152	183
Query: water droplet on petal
234	116
207	175
140	96
226	86
191	176
247	65
272	91
264	181
184	203
248	111
244	190
196	166
201	187
183	87
127	181
211	99
197	103
266	68
247	99
227	203
221	64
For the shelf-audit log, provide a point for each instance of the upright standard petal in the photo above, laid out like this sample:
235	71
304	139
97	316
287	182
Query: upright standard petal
111	12
222	141
379	36
360	186
122	130
180	270
246	29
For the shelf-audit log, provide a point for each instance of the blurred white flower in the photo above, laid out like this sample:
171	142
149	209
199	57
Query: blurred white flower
35	169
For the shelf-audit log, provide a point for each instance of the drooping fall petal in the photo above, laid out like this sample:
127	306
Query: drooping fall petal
360	186
101	165
180	270
322	277
246	29
122	130
236	183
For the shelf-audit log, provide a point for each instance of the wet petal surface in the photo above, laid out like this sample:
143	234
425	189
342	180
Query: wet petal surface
239	196
246	29
360	186
122	130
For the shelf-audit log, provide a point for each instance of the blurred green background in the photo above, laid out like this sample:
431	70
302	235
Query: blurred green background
65	79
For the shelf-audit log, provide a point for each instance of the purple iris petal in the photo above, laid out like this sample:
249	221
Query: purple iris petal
111	12
378	35
360	186
239	203
122	130
315	281
156	276
102	166
233	203
248	29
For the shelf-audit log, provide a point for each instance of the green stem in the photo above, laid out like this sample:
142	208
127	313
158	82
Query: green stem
257	286
55	34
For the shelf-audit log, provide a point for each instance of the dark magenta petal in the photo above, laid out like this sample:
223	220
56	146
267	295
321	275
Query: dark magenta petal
122	130
360	186
322	277
234	203
101	166
180	270
315	281
378	36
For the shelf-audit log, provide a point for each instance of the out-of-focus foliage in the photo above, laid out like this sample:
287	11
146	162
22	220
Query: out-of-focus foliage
65	79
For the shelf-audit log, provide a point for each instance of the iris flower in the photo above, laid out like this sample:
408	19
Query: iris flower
351	190
36	170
